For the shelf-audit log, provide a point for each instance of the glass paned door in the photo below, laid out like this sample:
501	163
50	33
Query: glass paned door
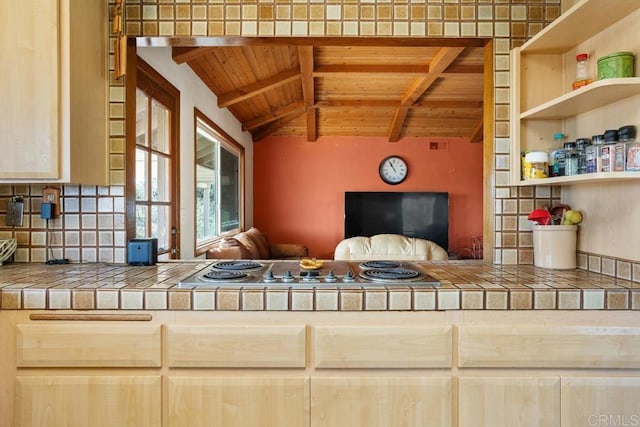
155	177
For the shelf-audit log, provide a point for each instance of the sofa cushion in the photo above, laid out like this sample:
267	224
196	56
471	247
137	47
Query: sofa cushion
388	247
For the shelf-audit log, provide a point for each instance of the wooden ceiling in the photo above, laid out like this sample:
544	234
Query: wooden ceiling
316	87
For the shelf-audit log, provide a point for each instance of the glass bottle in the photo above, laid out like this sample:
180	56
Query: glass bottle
582	72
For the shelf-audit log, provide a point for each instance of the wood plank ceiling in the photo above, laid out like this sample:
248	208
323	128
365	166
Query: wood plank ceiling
346	87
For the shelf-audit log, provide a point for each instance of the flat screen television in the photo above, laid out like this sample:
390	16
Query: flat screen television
414	214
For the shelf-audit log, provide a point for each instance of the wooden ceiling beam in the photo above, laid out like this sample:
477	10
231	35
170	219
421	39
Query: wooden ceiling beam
261	86
438	64
477	134
392	103
186	54
338	69
305	56
274	126
253	124
402	69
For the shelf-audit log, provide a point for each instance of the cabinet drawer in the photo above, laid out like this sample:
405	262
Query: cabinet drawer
549	347
236	346
382	347
88	345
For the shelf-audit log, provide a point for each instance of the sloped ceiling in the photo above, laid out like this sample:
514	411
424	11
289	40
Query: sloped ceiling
315	87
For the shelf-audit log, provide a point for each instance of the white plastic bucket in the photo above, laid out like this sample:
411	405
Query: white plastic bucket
554	246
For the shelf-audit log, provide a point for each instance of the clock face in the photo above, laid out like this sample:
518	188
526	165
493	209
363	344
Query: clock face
393	170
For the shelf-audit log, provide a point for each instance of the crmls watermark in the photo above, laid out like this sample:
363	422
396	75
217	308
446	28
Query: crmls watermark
618	420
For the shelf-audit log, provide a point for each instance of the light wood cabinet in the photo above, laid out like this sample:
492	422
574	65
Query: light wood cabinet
381	401
247	346
382	347
54	91
522	346
222	401
96	401
613	401
542	70
460	368
86	345
509	401
79	373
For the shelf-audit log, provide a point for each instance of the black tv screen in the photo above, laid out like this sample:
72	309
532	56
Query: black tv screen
424	215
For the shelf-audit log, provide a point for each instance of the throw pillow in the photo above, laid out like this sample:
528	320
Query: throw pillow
260	239
232	242
245	239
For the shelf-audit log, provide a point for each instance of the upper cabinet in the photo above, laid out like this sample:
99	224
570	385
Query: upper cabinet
54	91
543	102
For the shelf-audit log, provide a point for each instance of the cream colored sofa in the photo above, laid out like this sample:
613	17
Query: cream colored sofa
393	247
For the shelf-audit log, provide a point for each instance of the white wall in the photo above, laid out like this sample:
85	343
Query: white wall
194	93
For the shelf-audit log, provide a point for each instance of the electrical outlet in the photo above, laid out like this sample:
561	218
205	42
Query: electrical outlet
14	213
52	195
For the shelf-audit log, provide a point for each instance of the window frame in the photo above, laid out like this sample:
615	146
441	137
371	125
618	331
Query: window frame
233	146
143	75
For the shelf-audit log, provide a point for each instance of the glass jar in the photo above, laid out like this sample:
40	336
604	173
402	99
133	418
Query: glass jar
582	71
570	159
536	165
556	158
582	145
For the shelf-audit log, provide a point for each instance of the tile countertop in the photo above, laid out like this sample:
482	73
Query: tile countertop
466	285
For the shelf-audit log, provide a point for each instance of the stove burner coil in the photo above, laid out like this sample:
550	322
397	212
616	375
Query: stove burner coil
218	275
237	265
391	274
380	264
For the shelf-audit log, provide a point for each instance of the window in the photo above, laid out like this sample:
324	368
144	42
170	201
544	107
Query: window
219	188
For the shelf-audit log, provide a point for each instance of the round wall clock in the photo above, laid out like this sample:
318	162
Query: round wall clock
393	170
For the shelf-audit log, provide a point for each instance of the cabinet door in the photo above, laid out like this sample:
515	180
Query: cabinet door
238	401
29	138
600	402
512	402
82	401
380	401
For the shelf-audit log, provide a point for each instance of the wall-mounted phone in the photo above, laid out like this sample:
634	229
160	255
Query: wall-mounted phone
15	211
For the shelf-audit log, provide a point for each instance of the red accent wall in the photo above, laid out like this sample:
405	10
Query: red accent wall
299	186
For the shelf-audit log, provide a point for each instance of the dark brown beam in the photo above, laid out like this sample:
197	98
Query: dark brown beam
476	136
392	103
